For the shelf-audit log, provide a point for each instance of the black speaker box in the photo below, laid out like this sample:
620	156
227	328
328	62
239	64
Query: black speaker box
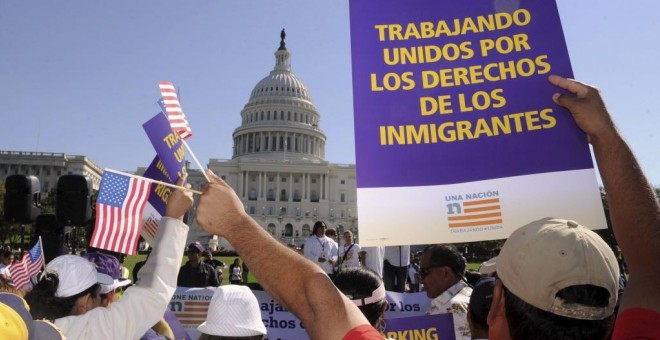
52	236
22	198
73	201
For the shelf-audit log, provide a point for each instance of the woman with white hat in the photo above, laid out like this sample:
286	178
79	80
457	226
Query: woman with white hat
69	294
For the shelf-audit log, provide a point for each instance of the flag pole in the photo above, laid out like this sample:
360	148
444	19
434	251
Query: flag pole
201	168
41	244
154	181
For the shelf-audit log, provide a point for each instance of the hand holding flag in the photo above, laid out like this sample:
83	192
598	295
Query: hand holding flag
29	266
119	209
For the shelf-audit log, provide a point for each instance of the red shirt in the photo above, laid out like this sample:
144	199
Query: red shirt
363	332
637	323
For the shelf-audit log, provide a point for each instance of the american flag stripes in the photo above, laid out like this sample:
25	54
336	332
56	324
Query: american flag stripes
119	210
193	312
476	213
170	100
29	266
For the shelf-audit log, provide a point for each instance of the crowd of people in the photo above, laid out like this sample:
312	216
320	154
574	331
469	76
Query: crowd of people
553	278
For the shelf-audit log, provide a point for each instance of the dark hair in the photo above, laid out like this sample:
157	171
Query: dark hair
528	322
45	305
446	255
6	253
317	225
480	302
220	337
359	283
473	277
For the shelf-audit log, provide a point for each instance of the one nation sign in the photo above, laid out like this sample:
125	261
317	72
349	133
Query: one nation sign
457	136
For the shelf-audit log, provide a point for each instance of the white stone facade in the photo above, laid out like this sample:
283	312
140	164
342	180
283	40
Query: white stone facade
48	167
278	167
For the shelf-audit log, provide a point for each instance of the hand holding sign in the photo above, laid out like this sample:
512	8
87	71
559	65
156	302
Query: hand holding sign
587	106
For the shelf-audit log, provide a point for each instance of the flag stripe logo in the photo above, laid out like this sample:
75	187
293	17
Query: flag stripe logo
151	227
29	266
193	313
476	213
170	102
119	210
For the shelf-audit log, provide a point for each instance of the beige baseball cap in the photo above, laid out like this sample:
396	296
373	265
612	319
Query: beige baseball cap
545	256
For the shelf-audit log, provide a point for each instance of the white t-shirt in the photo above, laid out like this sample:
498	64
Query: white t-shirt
4	270
398	256
411	274
374	258
352	255
323	247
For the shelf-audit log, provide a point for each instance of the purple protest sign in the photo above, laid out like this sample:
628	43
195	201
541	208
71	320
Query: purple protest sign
437	326
455	92
158	197
453	107
159	193
167	143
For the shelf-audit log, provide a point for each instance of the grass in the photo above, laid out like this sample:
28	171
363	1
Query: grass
131	260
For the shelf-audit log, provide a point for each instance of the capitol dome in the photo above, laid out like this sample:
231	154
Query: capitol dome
280	120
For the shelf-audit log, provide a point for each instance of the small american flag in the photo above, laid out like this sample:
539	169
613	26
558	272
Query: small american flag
475	213
119	210
29	266
170	100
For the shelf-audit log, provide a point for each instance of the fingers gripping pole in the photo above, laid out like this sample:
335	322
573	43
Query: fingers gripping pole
201	168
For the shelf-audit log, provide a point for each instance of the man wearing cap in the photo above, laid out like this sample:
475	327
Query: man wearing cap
196	273
558	279
555	272
442	272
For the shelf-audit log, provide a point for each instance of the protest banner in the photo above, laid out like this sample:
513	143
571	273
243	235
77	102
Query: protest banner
190	306
168	145
457	136
431	327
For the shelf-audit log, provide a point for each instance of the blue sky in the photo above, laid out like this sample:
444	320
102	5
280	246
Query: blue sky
80	77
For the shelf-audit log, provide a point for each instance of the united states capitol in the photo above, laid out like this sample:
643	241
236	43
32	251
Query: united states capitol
278	166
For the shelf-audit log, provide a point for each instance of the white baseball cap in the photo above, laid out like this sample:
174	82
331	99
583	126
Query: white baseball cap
75	275
233	311
542	258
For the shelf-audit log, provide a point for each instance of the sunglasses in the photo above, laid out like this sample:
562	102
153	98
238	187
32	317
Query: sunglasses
424	272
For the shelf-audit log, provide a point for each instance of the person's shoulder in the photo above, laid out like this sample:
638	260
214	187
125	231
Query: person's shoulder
362	332
637	323
208	265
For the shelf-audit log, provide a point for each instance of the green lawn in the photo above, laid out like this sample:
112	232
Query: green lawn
131	260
